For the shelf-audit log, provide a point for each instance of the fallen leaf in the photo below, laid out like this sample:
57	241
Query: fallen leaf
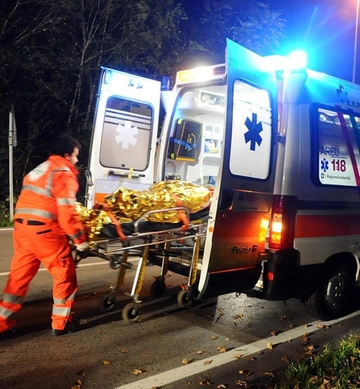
269	374
274	333
199	352
285	359
207	362
204	381
269	346
242	371
214	337
242	384
105	363
184	361
124	351
221	386
222	349
251	359
137	372
238	356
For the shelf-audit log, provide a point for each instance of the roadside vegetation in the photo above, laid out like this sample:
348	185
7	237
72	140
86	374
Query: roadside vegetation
5	216
336	367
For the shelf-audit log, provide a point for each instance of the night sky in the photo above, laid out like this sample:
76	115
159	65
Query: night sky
325	29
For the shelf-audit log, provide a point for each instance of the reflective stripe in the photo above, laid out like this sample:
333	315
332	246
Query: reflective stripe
7	313
65	201
63	301
37	190
77	235
12	298
61	311
50	179
37	212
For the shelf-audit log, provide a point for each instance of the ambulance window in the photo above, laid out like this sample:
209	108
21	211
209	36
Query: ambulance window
338	148
251	132
126	135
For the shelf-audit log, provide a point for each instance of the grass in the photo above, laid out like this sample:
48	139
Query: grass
5	216
335	368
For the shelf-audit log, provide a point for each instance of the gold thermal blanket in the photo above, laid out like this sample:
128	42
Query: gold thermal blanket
126	205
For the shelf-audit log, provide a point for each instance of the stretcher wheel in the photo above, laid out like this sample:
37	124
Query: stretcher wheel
158	287
131	312
184	299
107	302
115	261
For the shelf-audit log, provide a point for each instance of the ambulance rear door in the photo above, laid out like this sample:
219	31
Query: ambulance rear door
241	206
124	135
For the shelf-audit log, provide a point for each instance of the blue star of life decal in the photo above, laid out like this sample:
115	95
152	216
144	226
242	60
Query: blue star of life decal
253	133
324	165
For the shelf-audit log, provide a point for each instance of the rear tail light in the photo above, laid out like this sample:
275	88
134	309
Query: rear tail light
282	222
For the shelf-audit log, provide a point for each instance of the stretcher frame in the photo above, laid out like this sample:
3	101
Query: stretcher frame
154	244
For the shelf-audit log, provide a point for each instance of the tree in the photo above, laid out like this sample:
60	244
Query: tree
51	52
250	23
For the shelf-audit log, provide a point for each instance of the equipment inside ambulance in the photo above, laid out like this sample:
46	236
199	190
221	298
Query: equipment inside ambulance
277	146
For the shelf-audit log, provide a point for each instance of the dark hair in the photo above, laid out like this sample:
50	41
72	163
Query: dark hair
64	144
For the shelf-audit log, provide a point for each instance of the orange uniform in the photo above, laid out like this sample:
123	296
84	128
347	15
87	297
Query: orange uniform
45	219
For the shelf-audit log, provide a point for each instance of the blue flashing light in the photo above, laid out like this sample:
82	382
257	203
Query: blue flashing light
298	60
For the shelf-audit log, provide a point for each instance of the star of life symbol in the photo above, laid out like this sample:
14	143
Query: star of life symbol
126	134
253	133
324	165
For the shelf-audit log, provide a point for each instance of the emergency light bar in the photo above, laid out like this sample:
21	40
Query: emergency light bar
200	74
297	60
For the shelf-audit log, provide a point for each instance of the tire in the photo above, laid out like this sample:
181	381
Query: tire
107	302
183	299
158	287
332	297
131	312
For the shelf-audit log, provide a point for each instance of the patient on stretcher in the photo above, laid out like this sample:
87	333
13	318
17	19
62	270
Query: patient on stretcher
116	217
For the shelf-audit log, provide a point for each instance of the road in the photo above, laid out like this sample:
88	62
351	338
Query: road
228	342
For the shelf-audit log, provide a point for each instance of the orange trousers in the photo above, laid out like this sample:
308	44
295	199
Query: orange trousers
46	244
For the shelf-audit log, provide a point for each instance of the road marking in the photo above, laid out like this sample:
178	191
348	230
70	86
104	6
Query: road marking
185	371
80	265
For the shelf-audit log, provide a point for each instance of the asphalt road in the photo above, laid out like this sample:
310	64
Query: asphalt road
228	342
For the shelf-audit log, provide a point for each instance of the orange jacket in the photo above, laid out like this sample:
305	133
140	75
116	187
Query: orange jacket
48	194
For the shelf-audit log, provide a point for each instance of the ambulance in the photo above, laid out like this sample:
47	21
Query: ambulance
277	142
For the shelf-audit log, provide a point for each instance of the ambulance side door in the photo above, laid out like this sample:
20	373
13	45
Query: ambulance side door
240	210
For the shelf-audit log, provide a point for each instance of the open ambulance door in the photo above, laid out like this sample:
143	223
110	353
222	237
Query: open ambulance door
240	209
123	144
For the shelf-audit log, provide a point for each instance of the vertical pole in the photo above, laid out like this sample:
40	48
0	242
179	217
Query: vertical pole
11	187
355	40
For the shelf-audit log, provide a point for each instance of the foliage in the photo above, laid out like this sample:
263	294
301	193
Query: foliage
337	367
51	52
5	216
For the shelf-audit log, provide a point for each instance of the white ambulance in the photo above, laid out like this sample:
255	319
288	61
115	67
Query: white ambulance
280	145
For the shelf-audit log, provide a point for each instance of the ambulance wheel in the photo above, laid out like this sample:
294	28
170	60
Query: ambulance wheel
131	312
107	302
158	287
184	299
332	297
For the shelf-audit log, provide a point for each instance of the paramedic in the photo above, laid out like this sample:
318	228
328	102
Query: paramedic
45	219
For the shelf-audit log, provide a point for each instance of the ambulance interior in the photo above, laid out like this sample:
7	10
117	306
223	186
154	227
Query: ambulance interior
195	145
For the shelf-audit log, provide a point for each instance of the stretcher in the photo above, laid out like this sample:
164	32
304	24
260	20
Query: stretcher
172	246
